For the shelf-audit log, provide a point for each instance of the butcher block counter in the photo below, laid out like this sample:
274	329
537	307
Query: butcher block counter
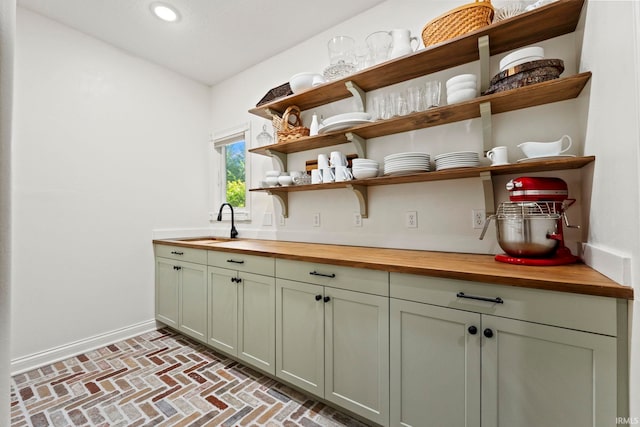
574	278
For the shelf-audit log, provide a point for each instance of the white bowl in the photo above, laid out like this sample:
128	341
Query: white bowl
364	162
272	173
461	78
521	56
364	173
302	81
461	95
365	168
271	181
285	180
462	85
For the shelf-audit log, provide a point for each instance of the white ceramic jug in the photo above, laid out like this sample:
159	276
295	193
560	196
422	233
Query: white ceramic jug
401	44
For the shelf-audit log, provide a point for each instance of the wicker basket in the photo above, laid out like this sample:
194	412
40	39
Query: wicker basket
458	21
287	130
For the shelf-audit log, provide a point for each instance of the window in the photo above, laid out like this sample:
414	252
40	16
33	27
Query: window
231	147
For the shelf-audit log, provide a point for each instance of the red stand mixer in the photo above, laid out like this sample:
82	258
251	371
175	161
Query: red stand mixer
529	227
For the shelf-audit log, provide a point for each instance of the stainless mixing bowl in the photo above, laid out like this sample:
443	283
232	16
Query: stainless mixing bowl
527	236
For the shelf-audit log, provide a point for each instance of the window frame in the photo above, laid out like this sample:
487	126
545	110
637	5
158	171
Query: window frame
220	141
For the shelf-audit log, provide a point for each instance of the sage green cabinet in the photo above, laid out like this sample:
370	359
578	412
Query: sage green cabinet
242	315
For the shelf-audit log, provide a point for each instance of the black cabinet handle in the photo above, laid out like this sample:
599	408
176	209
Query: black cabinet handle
472	330
488	333
235	261
327	299
177	253
318	297
233	280
496	300
236	279
176	267
315	273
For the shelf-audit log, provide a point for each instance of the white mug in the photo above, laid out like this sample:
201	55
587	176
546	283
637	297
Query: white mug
316	176
323	161
343	173
337	158
327	175
498	156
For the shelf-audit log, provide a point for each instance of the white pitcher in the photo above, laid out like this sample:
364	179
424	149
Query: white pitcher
401	44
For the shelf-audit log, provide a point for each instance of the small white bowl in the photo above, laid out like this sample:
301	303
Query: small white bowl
271	181
272	173
303	81
364	173
461	95
462	85
364	162
521	56
285	180
462	78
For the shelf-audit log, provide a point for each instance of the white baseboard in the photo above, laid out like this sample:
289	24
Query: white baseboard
614	265
47	357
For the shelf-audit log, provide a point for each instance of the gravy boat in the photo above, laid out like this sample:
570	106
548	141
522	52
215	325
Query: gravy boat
545	149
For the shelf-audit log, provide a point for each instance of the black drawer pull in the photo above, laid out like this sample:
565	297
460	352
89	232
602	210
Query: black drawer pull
235	261
496	300
176	267
327	299
315	273
472	330
488	333
318	297
177	253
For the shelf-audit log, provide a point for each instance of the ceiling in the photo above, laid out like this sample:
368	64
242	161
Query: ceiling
213	40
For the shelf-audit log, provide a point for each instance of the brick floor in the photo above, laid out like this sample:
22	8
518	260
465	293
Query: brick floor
160	379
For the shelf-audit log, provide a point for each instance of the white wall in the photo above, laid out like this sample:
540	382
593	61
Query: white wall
7	40
611	51
441	226
108	147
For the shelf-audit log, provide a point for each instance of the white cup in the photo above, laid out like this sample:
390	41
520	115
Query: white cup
323	161
328	175
316	176
337	158
498	156
343	173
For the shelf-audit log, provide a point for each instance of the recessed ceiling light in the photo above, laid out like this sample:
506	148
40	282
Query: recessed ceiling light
165	12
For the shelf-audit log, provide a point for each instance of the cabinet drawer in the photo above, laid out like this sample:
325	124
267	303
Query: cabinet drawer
353	279
568	310
241	262
198	256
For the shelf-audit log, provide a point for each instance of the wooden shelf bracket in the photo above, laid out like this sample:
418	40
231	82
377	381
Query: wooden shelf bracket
358	94
487	188
487	131
363	198
280	158
359	143
483	50
283	200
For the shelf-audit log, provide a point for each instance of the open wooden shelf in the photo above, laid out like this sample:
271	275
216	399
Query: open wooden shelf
501	102
458	173
555	19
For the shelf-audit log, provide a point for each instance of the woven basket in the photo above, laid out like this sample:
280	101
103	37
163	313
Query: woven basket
458	21
287	130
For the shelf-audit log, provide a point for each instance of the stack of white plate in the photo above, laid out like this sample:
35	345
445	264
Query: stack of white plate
364	168
462	88
403	163
457	159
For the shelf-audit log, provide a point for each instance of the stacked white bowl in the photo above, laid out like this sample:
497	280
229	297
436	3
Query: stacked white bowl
364	168
521	56
462	88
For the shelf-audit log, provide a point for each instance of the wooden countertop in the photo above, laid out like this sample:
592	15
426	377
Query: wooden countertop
575	278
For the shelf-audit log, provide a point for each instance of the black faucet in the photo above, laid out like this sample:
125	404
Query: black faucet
234	232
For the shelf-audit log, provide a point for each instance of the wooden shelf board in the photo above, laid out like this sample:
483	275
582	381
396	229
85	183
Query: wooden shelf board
549	21
516	168
501	102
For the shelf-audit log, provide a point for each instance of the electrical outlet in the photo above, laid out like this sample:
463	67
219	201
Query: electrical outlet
357	220
478	218
411	219
316	219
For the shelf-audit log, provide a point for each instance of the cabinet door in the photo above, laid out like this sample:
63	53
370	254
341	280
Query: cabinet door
535	375
357	353
223	310
193	300
256	321
300	335
435	366
167	296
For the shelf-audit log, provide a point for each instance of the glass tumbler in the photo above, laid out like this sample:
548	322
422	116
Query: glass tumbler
432	94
